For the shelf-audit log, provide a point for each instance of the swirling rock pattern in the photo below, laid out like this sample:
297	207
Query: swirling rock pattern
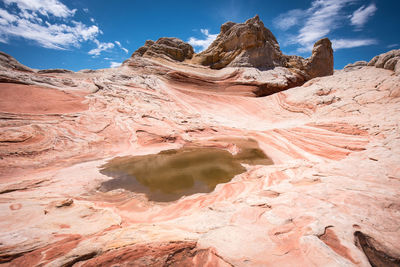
331	197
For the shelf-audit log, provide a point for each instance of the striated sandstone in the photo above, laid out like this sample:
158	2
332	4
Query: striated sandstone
172	48
330	199
7	62
250	44
247	44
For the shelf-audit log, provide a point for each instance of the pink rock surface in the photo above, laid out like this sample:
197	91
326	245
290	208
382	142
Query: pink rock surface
334	141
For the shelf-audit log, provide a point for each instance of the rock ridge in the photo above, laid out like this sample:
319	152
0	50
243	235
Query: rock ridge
249	44
167	47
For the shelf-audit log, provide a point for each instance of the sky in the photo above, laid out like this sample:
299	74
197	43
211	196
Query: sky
94	34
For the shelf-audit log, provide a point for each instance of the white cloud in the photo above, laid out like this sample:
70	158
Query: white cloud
46	8
120	46
86	10
202	44
100	48
324	16
115	64
320	20
289	19
350	43
361	15
44	22
92	20
392	45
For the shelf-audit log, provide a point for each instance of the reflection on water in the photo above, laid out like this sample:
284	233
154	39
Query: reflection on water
171	174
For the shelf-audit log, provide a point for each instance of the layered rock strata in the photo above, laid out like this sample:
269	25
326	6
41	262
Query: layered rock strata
249	45
330	199
172	48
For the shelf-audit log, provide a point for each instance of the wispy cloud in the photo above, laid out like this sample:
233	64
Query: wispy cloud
202	44
232	10
350	43
289	19
324	17
120	46
48	23
393	45
46	8
361	15
321	19
100	48
115	64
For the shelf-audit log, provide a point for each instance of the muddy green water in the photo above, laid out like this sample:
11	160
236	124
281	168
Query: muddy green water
171	174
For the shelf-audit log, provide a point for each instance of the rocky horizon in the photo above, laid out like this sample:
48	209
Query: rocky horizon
330	198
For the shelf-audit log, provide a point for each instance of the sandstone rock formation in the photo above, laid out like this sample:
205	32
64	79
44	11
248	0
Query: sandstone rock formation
389	61
321	61
331	198
356	65
247	44
172	48
250	44
7	62
55	71
319	64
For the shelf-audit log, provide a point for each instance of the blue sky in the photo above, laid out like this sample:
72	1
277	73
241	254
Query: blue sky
92	34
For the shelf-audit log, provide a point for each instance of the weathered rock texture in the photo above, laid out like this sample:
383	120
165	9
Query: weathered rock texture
321	61
247	44
318	65
172	48
388	61
331	198
356	65
7	62
250	44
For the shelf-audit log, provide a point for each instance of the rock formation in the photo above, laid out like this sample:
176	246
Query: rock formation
321	61
331	198
388	61
7	62
247	44
172	48
356	65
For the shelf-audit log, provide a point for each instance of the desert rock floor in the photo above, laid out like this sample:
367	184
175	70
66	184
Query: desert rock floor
331	198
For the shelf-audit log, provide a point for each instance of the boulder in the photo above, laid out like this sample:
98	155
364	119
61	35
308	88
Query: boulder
172	48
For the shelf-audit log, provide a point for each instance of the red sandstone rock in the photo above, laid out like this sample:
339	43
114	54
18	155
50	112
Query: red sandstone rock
330	199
